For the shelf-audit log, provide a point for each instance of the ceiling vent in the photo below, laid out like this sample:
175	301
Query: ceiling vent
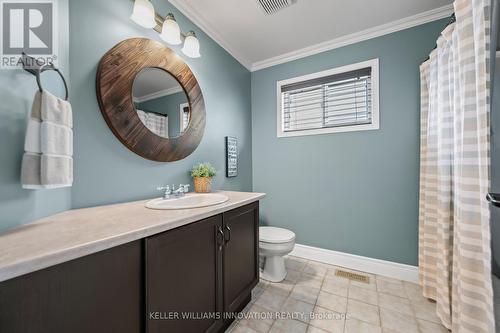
273	6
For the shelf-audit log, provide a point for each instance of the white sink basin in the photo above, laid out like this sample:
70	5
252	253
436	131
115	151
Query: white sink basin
190	200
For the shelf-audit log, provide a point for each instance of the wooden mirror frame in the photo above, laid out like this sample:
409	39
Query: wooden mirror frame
115	77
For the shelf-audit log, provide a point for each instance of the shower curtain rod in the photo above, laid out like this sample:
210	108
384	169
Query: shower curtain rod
452	20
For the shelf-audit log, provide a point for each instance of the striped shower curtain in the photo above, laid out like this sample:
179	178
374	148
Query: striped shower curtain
454	231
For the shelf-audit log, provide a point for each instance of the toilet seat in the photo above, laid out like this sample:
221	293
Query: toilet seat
274	235
274	245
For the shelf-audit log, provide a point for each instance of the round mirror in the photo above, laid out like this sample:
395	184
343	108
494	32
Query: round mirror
138	86
161	103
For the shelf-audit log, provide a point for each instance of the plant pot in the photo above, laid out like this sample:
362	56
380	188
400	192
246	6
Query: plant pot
202	184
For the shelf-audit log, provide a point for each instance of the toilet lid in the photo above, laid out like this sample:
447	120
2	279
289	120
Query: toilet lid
275	235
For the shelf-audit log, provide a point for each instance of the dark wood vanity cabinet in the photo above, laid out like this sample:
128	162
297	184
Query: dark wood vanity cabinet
241	255
101	292
204	271
183	278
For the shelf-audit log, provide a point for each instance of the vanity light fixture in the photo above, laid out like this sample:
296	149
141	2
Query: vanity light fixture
144	14
191	45
170	31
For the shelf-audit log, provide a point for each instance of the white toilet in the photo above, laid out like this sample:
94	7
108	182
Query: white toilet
274	245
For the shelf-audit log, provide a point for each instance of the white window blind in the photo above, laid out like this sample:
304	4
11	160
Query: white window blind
336	100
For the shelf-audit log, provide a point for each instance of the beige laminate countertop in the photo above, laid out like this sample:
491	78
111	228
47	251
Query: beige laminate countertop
80	232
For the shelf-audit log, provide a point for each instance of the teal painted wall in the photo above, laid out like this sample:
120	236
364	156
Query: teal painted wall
104	170
17	89
353	192
168	105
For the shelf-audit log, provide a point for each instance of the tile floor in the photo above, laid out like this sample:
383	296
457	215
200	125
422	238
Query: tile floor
334	304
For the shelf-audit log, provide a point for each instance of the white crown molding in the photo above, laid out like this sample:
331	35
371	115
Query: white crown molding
365	264
195	17
157	94
384	29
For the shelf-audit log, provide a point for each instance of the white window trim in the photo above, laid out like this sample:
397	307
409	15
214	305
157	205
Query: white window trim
375	125
181	115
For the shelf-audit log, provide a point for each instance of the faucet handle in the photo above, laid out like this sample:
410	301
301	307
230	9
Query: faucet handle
185	188
163	188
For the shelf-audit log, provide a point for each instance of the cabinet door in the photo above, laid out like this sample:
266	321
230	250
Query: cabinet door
101	292
183	278
241	255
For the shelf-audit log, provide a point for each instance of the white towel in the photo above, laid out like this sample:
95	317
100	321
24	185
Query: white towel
32	139
56	139
56	170
31	171
47	161
56	110
42	171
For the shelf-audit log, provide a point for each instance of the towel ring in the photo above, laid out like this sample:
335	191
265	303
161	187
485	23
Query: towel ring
38	80
37	69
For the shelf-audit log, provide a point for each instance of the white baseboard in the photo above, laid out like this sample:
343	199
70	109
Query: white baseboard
351	261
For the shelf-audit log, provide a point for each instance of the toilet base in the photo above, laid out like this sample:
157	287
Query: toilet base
274	269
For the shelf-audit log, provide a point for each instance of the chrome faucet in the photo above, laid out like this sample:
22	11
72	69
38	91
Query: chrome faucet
171	192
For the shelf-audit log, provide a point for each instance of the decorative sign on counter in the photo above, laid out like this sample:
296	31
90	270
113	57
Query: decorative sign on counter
231	156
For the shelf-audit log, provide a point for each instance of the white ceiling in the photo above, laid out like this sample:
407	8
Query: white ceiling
259	40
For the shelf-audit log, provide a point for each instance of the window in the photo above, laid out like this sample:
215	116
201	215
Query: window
184	116
338	100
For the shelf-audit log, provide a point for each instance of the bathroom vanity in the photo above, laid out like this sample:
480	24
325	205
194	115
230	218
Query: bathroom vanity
125	268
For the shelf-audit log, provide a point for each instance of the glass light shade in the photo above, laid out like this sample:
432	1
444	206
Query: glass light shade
144	14
170	31
191	46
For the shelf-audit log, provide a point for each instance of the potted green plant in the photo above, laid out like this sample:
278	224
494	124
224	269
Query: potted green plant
202	174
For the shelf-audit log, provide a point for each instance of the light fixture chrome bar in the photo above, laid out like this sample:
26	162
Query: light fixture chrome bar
146	16
159	24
